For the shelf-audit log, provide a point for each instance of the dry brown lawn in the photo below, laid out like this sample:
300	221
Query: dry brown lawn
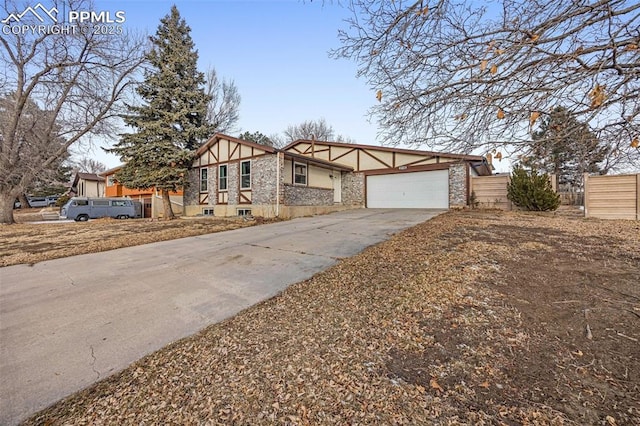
30	240
470	318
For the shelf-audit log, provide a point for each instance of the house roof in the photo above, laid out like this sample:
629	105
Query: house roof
111	171
86	176
215	138
388	149
271	150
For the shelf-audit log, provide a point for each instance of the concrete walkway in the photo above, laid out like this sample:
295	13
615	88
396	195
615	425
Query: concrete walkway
67	323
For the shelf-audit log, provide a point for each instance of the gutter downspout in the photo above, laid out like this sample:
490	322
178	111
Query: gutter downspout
277	184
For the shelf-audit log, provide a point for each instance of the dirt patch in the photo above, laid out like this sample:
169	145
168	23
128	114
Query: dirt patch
30	242
470	318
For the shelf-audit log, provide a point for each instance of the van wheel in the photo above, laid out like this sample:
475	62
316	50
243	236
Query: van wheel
123	216
82	218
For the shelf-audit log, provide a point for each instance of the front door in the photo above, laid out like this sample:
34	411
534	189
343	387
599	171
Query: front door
337	186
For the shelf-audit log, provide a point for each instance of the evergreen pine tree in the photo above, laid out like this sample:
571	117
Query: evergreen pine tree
532	191
171	122
566	147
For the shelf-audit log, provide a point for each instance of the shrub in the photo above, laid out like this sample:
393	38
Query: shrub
532	191
62	200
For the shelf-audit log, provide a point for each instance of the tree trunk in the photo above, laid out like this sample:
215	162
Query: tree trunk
6	206
166	204
24	203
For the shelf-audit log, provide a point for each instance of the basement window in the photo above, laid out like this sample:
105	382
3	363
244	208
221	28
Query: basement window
299	174
207	212
244	212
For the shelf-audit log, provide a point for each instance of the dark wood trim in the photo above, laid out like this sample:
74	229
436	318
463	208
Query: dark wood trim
234	151
393	159
388	149
376	158
468	181
203	200
242	199
341	155
214	156
358	160
423	168
413	163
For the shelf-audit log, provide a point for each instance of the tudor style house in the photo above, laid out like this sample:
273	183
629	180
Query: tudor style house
233	177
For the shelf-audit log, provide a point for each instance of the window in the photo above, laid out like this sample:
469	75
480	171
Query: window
245	175
111	180
203	179
119	203
81	203
299	174
100	202
222	177
244	212
207	212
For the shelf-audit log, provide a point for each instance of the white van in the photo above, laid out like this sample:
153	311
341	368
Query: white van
83	209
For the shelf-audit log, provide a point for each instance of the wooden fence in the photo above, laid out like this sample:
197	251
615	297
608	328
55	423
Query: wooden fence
491	191
612	197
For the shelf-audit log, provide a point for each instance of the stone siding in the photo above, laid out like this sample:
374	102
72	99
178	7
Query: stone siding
212	185
353	189
305	196
458	185
263	179
233	183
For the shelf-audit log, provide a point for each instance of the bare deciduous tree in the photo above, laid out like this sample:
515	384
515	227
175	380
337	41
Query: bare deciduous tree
89	165
224	108
468	75
319	129
78	79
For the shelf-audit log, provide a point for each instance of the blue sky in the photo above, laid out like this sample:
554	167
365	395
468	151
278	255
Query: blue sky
276	52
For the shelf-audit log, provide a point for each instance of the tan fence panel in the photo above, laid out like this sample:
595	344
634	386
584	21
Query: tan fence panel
612	197
491	191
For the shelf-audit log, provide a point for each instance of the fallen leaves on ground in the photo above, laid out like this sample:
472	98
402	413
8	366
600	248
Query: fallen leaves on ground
29	242
470	318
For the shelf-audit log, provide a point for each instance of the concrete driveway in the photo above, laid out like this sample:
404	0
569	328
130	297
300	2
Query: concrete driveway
67	323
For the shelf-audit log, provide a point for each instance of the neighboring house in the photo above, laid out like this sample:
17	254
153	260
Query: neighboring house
232	177
87	185
150	198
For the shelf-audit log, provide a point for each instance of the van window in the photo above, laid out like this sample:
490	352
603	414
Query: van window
119	203
100	202
81	203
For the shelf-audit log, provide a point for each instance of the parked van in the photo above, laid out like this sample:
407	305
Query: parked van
83	209
48	201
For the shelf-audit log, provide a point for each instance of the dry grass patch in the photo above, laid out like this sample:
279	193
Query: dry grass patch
29	242
466	319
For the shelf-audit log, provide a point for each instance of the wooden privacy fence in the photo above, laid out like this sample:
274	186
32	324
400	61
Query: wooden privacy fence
491	191
612	197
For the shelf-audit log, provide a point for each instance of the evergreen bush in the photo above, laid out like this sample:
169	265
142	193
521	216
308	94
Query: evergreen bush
532	191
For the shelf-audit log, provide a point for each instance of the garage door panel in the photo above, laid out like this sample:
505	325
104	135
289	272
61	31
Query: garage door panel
409	190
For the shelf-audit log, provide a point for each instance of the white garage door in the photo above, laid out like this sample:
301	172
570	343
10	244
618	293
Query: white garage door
424	190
